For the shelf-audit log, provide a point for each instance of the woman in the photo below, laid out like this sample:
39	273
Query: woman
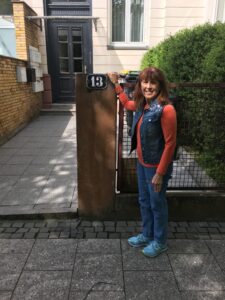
154	136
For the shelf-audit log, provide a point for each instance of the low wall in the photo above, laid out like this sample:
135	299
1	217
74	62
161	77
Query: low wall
18	103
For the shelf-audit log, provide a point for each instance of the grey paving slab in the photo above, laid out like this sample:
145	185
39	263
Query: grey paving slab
20	196
4	191
52	255
4	158
38	169
97	272
10	269
97	295
59	194
133	259
34	181
20	159
39	285
13	170
187	246
16	246
195	295
5	295
6	181
99	246
150	285
197	272
217	248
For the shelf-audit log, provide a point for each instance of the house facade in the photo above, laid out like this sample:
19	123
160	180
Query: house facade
99	36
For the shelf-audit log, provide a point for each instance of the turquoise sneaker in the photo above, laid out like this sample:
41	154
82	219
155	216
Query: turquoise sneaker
154	249
138	241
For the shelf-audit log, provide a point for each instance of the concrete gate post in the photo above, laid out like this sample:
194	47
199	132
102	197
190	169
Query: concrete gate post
96	149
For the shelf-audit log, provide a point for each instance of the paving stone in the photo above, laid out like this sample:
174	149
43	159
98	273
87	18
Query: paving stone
187	246
150	285
203	229
42	235
34	230
121	229
10	269
198	295
180	235
5	295
6	224
215	236
213	224
197	272
213	230
30	235
97	272
99	229
15	246
64	235
17	236
2	229
88	229
121	224
133	259
102	235
218	250
10	230
5	235
125	235
131	223
50	255
54	235
192	236
204	236
114	235
80	235
18	224
38	285
110	228
97	295
44	229
86	224
109	223
22	230
90	235
181	229
99	246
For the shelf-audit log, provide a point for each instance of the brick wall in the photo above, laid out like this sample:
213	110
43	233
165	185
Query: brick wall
26	30
18	103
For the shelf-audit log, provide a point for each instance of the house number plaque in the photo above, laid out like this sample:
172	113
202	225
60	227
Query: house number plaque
96	81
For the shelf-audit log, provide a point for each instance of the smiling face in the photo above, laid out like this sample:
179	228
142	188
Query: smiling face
149	90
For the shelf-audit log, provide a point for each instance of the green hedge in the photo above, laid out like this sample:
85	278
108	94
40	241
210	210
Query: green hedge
197	55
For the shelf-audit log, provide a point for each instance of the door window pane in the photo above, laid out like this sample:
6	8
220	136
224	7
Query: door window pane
77	66
118	20
64	65
63	50
136	13
76	35
63	35
77	50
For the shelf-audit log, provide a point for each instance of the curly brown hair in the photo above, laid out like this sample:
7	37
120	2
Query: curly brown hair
154	75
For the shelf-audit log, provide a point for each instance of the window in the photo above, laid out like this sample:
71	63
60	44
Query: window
220	15
127	22
6	8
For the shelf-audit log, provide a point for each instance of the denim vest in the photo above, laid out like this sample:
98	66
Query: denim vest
152	139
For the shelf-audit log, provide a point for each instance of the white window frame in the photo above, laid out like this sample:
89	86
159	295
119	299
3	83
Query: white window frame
217	7
212	11
127	44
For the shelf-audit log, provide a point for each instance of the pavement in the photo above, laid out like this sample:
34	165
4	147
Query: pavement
49	257
38	173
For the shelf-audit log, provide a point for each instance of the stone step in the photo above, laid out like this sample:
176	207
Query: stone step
60	108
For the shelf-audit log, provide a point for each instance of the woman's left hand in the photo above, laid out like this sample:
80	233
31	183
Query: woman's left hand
157	181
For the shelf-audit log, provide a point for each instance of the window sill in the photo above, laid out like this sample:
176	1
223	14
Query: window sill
126	47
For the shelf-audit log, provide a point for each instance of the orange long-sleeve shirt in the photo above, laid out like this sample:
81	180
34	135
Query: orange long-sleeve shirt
169	128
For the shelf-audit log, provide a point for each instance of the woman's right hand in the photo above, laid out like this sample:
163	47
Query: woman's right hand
114	77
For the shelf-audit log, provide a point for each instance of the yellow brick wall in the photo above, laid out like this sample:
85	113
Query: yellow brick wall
18	103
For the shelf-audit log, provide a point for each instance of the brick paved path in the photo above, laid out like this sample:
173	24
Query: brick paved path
75	228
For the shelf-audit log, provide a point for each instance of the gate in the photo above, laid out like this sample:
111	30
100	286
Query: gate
200	157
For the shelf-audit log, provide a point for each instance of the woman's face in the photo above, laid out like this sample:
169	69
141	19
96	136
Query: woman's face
149	90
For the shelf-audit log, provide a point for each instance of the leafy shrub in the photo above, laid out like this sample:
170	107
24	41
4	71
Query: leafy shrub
197	55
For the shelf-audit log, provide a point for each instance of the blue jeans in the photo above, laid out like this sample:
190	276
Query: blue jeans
153	205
